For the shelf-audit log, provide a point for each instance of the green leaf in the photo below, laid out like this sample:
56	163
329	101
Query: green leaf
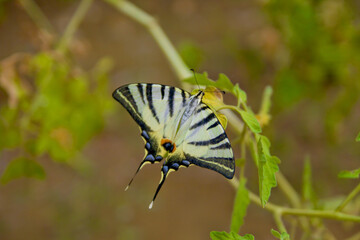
358	138
268	166
281	236
251	121
239	93
214	235
349	174
22	167
240	206
307	180
223	83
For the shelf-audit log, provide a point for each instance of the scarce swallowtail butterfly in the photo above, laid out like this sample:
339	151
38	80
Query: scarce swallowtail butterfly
178	128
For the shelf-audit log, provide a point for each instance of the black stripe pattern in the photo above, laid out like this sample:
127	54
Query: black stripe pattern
204	121
222	146
209	163
171	101
150	101
162	91
140	88
212	141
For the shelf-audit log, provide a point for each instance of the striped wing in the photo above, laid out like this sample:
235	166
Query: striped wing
156	110
206	143
169	115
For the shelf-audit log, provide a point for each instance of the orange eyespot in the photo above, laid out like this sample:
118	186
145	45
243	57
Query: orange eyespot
168	145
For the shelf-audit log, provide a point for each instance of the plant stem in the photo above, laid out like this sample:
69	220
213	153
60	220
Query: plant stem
140	16
73	25
348	198
298	212
288	190
305	212
37	16
279	221
293	197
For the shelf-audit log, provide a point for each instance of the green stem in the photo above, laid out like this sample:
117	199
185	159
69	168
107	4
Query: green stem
305	212
37	15
348	198
293	197
73	25
279	221
140	16
288	190
299	212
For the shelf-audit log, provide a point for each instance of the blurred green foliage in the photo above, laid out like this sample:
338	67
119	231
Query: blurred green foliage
320	41
53	108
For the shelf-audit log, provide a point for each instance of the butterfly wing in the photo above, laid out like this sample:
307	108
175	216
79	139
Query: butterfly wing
155	108
206	143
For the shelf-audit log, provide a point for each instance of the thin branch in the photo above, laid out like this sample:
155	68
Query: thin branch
299	212
288	190
279	222
73	25
349	198
140	16
37	16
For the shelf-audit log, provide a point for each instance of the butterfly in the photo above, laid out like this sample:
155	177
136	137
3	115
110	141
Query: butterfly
177	127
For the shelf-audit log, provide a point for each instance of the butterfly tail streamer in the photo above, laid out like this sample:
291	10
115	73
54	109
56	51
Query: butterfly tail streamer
164	173
140	166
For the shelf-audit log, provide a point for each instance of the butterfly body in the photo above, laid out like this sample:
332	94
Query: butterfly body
177	127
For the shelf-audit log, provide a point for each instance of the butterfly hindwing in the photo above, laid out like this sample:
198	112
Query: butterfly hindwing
206	143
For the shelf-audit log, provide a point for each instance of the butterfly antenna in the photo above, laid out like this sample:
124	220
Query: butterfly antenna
195	77
164	172
141	165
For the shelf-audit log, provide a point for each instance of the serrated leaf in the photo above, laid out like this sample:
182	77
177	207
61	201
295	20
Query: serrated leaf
22	167
214	235
268	166
251	121
281	236
307	189
358	138
349	174
240	206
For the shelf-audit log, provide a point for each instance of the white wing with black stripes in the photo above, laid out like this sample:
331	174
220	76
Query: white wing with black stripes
178	128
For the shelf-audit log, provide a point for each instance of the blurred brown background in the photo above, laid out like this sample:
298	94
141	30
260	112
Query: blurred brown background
85	198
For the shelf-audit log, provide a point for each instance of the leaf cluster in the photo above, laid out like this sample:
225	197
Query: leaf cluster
53	109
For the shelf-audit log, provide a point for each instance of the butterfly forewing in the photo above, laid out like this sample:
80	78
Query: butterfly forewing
155	108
